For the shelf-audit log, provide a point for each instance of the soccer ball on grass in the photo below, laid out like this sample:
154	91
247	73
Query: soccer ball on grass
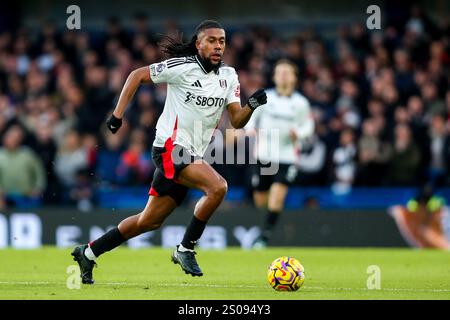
286	274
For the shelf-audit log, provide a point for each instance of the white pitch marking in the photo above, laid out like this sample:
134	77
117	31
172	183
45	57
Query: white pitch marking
132	284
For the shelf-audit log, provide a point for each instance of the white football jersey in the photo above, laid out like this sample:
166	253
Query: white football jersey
194	103
280	115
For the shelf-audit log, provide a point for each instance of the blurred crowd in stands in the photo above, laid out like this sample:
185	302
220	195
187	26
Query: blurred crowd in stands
380	99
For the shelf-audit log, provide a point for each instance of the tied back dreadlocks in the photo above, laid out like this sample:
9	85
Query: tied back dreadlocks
175	47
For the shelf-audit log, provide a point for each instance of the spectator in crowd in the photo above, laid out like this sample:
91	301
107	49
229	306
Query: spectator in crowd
312	163
447	103
46	148
447	158
419	126
405	162
135	166
373	155
145	113
438	135
344	164
7	114
82	191
22	174
109	158
89	143
99	100
70	160
404	78
346	106
401	115
377	114
71	108
433	104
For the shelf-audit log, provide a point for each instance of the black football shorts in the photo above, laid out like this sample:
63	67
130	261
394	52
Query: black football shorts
169	161
286	175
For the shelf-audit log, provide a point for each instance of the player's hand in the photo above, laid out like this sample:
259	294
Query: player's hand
113	123
257	99
306	145
293	135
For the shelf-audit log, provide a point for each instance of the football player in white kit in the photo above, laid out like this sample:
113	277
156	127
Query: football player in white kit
200	87
288	112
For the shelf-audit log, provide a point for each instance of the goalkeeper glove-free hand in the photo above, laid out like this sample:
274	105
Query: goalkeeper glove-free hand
113	123
257	99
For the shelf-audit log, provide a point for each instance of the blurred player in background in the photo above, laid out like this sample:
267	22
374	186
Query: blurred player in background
288	112
423	222
200	86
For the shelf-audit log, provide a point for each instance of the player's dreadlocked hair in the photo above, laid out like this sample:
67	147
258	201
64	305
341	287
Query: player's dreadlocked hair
175	47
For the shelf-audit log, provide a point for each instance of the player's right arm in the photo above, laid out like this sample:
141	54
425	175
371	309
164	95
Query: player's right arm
167	71
134	80
305	127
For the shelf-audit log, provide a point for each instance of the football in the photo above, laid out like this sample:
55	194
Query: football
286	274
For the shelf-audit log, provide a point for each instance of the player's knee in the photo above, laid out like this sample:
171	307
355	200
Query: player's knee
219	190
276	206
150	226
261	205
144	225
260	202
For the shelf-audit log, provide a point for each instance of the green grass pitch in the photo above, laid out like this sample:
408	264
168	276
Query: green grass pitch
331	273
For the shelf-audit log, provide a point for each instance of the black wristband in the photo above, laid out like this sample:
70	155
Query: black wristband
113	123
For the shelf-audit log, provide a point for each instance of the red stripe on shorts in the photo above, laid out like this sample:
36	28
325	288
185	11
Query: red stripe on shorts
153	192
169	169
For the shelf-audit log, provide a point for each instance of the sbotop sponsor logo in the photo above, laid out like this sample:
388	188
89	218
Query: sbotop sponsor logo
203	101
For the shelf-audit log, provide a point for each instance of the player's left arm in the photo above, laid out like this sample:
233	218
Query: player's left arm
305	123
239	116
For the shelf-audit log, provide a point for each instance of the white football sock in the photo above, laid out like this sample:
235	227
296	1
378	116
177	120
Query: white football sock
183	249
89	254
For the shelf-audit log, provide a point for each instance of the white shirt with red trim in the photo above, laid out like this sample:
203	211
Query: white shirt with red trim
195	101
274	120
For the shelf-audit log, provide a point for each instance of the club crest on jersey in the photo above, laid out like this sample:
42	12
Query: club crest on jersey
155	70
237	91
223	83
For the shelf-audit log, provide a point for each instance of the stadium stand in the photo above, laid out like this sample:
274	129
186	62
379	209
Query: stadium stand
381	102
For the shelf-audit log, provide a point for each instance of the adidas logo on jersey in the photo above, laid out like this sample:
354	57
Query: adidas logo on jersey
197	84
